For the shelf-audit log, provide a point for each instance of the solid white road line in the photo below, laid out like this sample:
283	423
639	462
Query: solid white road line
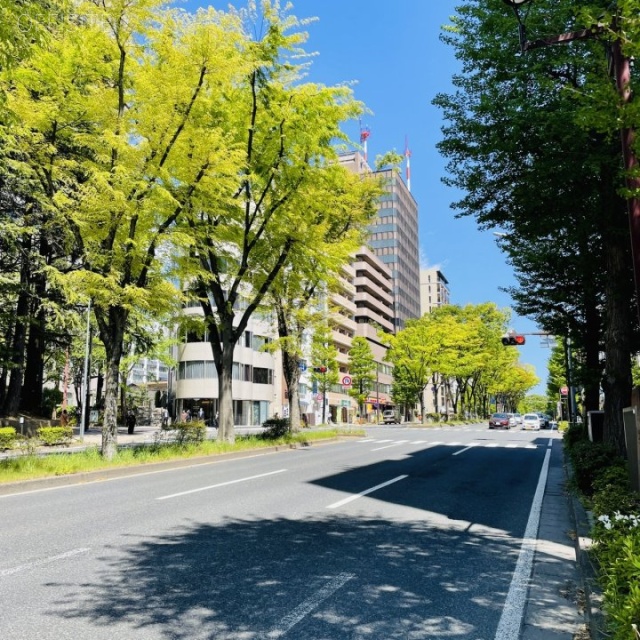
221	484
513	611
366	492
471	446
40	563
306	607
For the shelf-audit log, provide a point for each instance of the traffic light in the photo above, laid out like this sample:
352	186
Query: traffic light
512	339
320	369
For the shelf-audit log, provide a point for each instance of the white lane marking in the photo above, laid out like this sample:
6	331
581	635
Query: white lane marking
366	492
306	607
491	445
367	440
550	442
84	481
513	612
395	444
471	446
40	563
220	484
511	446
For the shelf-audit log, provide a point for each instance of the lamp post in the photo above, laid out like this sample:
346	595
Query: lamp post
621	69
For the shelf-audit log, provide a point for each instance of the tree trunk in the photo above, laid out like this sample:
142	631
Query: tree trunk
111	325
291	371
226	431
34	369
16	358
617	376
110	422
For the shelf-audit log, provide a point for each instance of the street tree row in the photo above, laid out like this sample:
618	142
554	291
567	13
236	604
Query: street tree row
458	349
150	157
533	145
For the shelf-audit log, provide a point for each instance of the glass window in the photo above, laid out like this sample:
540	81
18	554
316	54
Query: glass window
261	375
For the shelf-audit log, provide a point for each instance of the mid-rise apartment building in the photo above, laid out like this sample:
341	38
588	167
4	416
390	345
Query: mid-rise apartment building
434	293
374	313
254	374
434	290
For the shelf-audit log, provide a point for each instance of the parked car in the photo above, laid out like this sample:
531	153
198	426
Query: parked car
501	421
518	417
531	421
389	417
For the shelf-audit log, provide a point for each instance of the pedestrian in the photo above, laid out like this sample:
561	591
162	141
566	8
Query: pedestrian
201	414
64	418
165	418
183	415
188	415
131	421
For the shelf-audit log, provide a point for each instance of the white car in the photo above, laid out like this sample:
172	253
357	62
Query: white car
531	421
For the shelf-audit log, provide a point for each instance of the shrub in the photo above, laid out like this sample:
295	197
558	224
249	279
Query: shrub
617	549
55	435
573	433
190	432
589	460
51	397
7	437
612	492
275	428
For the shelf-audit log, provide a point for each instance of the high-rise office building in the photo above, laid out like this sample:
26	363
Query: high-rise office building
393	238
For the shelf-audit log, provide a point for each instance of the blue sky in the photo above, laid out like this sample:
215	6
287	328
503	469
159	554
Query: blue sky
392	51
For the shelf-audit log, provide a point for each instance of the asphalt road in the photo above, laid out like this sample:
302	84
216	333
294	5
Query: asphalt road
405	534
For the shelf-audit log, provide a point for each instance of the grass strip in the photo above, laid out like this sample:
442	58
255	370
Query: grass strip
32	465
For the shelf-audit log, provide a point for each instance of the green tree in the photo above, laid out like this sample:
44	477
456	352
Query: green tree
127	100
282	134
325	371
362	370
341	215
533	158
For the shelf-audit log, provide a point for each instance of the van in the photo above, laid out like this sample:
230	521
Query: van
389	417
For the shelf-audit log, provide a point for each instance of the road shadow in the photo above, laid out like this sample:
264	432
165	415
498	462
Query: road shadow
250	579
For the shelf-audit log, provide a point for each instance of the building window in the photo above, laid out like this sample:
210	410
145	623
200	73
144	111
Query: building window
261	375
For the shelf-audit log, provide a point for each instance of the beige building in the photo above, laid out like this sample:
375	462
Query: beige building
434	293
434	290
374	312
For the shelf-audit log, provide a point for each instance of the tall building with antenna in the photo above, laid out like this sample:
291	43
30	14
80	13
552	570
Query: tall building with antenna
393	237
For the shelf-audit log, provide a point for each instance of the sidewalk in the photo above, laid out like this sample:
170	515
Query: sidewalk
562	602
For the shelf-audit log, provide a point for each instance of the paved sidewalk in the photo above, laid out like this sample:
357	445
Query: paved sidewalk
561	604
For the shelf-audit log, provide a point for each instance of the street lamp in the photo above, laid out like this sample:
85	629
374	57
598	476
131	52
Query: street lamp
621	69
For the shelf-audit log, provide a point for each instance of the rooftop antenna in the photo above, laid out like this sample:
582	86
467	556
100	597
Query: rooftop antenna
407	155
364	134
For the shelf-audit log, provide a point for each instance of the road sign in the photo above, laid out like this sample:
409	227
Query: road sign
564	391
319	397
302	365
346	381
